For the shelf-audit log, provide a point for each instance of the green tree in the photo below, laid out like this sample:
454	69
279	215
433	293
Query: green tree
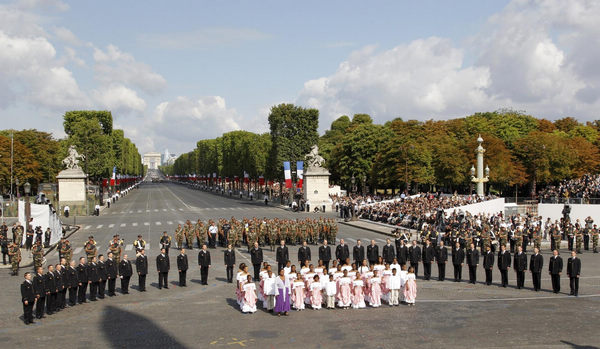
293	133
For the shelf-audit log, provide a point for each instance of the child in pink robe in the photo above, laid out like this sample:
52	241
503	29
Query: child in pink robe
316	298
375	297
298	294
344	291
249	298
358	297
410	287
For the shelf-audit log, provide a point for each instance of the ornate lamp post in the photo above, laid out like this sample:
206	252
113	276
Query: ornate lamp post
27	189
480	179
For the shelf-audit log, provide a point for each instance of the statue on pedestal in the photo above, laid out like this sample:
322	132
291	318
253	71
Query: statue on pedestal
313	159
71	162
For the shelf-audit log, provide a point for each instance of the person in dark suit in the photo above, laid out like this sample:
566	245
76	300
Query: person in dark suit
112	272
441	258
414	256
73	284
504	262
401	252
472	263
125	272
141	267
40	292
358	253
256	257
60	286
428	257
325	254
488	264
28	299
103	276
342	252
388	253
163	265
50	285
573	271
229	260
182	267
372	253
82	280
520	265
458	259
94	278
204	263
304	254
555	266
282	256
536	264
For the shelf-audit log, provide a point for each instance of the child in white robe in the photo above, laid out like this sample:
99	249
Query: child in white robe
394	285
330	292
403	274
270	289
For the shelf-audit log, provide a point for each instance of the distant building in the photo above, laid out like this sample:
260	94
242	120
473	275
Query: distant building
152	160
167	158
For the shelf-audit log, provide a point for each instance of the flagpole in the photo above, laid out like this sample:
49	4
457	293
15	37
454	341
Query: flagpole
12	142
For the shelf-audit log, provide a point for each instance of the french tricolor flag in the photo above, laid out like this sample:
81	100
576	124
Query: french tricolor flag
287	173
300	172
114	176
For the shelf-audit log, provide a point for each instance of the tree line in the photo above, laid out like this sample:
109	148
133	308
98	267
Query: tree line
522	151
38	155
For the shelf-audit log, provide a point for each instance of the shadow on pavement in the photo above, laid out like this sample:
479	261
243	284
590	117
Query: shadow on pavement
575	346
124	329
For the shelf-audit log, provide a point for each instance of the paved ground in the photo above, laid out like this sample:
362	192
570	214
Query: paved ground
447	314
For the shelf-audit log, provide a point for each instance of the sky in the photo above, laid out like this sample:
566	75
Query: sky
174	72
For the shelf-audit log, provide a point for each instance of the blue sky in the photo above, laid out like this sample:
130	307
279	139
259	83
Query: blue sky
179	71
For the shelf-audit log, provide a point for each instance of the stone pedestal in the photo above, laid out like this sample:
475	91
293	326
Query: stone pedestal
316	187
71	190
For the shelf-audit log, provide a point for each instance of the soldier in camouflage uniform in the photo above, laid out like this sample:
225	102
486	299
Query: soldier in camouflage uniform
537	239
90	248
595	233
18	234
66	251
15	258
189	235
578	241
115	248
556	238
179	236
198	228
38	254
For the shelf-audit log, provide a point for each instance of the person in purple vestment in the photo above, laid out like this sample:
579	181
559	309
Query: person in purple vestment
282	302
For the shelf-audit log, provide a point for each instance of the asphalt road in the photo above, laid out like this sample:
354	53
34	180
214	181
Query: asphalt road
447	314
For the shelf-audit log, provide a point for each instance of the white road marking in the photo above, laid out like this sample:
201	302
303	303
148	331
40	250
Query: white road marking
123	225
147	210
181	209
130	211
504	299
350	239
172	209
381	240
111	225
158	223
146	223
77	250
164	210
139	211
181	222
134	224
99	226
129	247
87	227
147	248
155	210
169	222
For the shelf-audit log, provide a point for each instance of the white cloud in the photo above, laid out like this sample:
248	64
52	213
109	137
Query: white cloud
183	121
115	66
425	77
538	56
30	68
119	98
203	38
67	36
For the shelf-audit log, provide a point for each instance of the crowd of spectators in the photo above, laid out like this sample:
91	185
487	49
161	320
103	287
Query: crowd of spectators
584	189
414	211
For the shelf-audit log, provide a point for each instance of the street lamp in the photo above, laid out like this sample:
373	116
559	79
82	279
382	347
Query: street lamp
480	179
353	180
27	189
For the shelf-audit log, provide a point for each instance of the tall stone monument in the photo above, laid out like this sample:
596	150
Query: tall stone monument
71	183
316	180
